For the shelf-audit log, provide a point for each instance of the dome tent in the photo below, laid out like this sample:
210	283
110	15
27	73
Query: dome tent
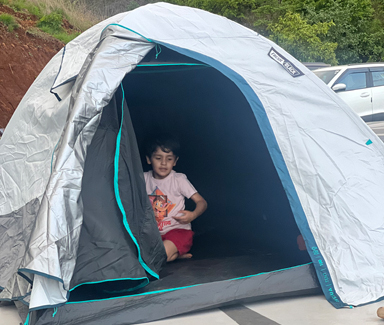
275	152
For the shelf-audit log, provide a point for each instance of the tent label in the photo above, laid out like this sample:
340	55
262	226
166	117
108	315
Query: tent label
286	64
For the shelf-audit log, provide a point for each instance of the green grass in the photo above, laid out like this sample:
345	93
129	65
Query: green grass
9	21
60	34
52	24
24	6
64	37
51	14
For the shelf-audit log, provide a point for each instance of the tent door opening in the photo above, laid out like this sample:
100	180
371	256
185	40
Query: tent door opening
249	227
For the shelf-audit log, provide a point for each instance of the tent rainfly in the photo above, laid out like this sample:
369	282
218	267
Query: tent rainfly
273	150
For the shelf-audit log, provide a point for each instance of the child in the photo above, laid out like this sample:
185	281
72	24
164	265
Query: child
167	191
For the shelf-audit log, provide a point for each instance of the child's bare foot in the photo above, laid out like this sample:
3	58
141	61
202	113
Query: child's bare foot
188	255
380	312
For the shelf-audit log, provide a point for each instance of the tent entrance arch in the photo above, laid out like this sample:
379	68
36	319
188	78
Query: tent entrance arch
223	151
249	227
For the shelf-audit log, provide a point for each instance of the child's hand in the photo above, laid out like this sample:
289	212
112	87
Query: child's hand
186	217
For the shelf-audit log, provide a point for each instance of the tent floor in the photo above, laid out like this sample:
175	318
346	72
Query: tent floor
207	265
186	272
191	285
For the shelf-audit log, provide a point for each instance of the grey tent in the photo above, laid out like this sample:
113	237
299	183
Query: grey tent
272	149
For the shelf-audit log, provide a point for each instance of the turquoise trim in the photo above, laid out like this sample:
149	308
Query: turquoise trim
54	312
109	280
131	30
191	286
158	50
117	193
172	64
369	142
27	320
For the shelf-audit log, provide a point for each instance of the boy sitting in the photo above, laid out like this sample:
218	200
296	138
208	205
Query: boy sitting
167	191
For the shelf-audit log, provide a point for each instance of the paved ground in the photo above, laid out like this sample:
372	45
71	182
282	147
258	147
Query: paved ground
307	310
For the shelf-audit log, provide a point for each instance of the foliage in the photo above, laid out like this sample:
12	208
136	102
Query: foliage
51	23
357	32
132	5
268	12
9	21
51	15
23	6
301	39
64	37
72	10
237	10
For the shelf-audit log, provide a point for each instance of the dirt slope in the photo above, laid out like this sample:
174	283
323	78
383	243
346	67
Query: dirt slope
23	54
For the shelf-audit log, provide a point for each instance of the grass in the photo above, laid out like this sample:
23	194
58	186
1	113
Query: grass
52	24
25	6
75	12
38	33
61	35
51	14
9	21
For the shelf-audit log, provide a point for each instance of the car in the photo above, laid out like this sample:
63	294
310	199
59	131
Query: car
316	65
361	86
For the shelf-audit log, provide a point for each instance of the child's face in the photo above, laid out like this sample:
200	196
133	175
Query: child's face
162	163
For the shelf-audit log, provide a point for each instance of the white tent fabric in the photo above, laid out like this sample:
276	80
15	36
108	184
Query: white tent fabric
335	162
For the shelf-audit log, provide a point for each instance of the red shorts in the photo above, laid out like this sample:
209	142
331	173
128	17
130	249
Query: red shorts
182	238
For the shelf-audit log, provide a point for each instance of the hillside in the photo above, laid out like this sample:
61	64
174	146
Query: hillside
24	52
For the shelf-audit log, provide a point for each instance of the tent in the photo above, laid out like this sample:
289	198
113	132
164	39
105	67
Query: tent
273	150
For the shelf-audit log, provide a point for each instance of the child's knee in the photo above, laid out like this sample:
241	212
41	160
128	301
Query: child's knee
171	258
171	250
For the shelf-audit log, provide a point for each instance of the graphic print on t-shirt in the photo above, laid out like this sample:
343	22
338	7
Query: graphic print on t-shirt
161	206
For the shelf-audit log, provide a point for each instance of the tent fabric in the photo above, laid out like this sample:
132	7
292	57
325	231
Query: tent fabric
100	229
329	162
148	307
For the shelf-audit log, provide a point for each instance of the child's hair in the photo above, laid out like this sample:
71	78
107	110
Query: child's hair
165	141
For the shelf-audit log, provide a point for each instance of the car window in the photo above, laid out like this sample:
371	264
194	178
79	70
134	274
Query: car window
326	76
353	81
378	78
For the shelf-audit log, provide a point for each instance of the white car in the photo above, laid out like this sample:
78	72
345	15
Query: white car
361	86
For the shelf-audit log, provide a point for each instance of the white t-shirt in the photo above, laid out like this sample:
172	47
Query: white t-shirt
167	197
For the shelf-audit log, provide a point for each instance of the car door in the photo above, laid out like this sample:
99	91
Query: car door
357	94
377	74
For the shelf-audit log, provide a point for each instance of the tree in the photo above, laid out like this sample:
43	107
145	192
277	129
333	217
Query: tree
358	34
296	36
237	10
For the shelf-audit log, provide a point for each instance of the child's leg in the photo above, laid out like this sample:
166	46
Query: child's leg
177	243
171	250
